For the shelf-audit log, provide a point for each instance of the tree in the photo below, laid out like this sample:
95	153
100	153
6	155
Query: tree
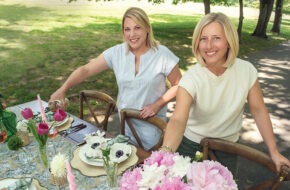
241	18
278	17
206	4
265	10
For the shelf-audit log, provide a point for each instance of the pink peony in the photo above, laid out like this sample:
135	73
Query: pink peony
161	158
42	128
209	175
175	183
27	113
59	115
175	172
129	179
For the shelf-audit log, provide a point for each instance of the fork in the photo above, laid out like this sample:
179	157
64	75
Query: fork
72	129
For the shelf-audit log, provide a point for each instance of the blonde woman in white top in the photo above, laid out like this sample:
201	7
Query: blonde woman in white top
212	94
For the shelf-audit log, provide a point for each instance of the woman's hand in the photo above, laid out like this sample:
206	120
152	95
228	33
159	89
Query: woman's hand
149	111
279	161
57	100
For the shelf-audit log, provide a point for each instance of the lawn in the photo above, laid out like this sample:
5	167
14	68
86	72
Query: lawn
41	45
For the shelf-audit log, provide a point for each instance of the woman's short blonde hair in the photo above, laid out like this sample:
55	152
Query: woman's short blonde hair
140	17
230	33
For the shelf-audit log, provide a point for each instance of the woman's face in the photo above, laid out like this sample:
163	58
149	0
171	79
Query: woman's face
134	35
213	44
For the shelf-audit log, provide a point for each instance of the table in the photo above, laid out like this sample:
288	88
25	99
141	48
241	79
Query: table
18	164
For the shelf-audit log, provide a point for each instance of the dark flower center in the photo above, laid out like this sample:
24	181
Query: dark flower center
95	145
119	153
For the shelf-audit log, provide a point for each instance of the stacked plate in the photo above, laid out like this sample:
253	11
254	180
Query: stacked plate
91	152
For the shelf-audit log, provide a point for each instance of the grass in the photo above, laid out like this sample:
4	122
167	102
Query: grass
41	46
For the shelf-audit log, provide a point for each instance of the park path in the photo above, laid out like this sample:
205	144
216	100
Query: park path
274	75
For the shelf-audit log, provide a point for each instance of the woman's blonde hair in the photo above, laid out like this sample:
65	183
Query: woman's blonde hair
140	17
230	33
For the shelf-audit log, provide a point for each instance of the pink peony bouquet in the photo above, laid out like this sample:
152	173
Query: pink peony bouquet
171	171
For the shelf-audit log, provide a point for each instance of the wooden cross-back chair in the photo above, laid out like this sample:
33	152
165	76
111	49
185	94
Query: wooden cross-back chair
126	115
98	104
252	154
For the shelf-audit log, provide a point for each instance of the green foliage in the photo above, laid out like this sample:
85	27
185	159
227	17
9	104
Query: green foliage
15	143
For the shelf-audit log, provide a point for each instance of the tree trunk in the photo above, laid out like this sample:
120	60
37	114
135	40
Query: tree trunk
278	17
266	7
206	4
241	18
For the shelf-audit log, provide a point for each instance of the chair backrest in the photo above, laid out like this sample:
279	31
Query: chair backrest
260	158
100	106
127	114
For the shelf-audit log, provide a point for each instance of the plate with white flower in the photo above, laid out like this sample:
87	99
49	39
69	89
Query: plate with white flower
92	154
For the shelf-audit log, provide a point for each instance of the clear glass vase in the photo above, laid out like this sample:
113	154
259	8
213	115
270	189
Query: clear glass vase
111	169
43	155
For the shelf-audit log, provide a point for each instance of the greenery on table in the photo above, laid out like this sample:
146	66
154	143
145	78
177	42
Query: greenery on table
40	46
15	143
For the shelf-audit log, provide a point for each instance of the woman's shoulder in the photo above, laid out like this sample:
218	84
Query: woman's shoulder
163	48
194	71
119	46
116	49
165	51
241	63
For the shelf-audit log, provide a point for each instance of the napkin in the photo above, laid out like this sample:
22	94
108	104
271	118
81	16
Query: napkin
119	139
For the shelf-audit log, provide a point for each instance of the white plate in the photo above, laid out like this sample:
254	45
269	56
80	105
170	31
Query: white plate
59	123
125	148
9	183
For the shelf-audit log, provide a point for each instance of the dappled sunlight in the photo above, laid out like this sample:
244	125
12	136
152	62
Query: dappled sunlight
274	77
281	127
3	23
251	132
10	44
49	23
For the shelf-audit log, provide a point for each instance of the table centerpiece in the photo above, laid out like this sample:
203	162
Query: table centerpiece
173	171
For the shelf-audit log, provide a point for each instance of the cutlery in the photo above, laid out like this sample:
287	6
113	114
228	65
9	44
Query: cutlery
72	129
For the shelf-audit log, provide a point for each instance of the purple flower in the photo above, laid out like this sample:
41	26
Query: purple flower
42	128
59	115
27	113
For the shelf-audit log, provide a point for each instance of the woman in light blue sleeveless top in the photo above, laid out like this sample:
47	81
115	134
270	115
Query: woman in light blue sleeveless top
141	67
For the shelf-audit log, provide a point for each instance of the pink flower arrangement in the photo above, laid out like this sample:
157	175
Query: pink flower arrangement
40	132
172	171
